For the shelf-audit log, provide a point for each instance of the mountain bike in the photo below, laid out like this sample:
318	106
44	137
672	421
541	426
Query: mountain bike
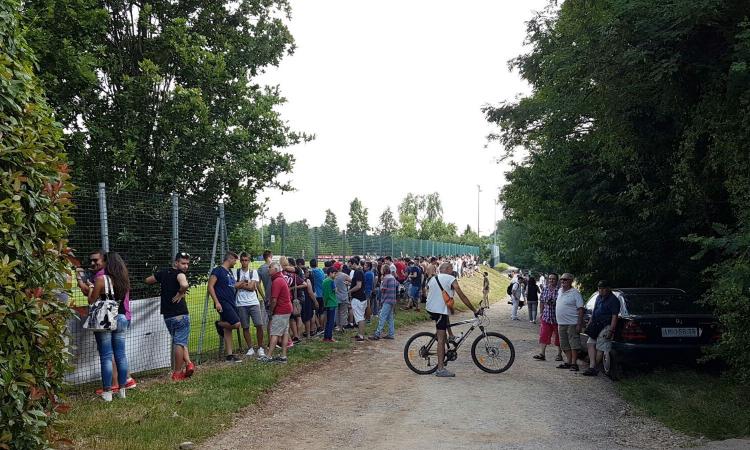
491	351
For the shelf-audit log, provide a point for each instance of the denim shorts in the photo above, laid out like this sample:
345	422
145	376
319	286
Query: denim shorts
179	329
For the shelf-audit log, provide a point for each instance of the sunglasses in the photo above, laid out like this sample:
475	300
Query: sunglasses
184	255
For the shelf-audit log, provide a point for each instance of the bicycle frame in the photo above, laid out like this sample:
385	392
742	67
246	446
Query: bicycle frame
476	322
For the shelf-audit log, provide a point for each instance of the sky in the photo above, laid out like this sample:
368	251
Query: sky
393	91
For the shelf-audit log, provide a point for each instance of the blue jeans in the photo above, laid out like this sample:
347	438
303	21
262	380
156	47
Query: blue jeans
109	343
386	313
330	322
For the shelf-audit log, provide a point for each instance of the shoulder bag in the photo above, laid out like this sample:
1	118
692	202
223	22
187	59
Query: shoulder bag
103	312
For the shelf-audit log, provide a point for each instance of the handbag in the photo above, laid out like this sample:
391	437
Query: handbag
296	307
103	312
446	298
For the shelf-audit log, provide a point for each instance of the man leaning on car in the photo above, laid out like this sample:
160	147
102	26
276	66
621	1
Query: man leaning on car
601	326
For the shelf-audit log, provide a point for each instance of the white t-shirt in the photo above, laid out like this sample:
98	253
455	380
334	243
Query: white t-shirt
245	297
435	302
567	306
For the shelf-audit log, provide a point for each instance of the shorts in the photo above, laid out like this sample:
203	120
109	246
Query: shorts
321	307
307	309
254	312
179	329
414	292
279	324
441	320
229	313
546	331
358	309
602	344
570	339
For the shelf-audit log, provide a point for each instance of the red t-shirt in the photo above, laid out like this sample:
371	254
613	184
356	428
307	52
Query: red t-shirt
280	291
400	268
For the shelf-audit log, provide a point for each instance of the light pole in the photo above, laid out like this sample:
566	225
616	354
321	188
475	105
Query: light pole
479	189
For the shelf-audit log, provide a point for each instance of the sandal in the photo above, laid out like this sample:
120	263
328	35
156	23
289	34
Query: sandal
574	368
539	357
564	366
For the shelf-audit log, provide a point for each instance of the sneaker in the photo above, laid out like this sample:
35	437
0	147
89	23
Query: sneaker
261	352
189	369
122	393
232	358
264	359
106	396
130	384
444	373
290	343
574	368
178	376
374	337
591	372
115	388
359	338
250	352
280	360
389	337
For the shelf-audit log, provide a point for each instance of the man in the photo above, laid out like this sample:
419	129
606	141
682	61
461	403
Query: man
331	303
602	324
569	312
515	296
342	295
86	280
281	308
359	299
317	276
414	274
248	304
369	288
439	310
548	327
400	270
174	287
388	289
222	291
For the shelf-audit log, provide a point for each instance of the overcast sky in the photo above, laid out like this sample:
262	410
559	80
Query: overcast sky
393	91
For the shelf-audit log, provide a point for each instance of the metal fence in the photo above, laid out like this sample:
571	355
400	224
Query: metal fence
147	230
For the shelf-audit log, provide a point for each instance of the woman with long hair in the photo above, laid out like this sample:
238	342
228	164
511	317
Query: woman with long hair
113	343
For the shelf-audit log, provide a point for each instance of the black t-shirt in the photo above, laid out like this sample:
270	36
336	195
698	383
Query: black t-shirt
417	280
169	288
358	275
533	293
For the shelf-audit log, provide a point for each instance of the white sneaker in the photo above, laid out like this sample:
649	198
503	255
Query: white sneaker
122	392
107	396
251	352
261	352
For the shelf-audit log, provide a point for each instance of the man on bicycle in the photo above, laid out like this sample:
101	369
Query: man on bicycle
439	310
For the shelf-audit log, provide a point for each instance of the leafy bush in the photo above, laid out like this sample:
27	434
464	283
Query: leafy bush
502	266
34	219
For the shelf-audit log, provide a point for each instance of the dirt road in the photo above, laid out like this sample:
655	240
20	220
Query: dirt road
370	399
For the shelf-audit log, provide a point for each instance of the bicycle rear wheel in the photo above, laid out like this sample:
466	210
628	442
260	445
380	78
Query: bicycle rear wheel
493	352
420	353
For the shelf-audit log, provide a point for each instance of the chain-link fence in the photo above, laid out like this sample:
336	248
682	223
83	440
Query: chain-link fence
147	230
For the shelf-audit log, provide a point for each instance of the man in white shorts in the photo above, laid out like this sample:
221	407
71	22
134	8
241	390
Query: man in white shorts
359	299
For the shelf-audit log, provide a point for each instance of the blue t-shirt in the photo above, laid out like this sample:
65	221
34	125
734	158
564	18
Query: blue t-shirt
369	282
224	286
318	277
417	280
606	306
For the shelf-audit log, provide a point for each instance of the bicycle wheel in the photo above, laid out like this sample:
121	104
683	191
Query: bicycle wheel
493	352
420	353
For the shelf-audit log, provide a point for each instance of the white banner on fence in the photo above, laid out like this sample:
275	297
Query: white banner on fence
147	343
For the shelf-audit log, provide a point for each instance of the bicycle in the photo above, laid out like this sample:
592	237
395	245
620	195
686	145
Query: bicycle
491	351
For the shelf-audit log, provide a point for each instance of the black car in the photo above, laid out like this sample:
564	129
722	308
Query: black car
656	325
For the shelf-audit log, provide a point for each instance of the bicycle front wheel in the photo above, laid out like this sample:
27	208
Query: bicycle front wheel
420	353
493	352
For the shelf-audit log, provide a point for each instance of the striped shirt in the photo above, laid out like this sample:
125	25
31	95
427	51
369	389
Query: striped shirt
388	289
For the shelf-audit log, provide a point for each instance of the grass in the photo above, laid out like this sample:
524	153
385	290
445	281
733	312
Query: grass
161	414
697	404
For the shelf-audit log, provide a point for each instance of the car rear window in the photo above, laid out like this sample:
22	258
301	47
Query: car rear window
663	304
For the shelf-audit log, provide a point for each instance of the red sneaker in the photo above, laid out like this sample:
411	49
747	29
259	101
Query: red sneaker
115	389
178	376
130	383
189	369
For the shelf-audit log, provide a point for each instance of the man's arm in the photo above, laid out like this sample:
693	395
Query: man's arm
462	296
579	325
151	280
356	287
182	280
211	282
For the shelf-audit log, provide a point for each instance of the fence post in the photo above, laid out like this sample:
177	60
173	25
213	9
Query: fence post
175	225
316	249
103	216
205	304
223	229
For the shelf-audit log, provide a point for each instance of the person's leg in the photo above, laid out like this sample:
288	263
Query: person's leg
382	318
118	348
441	349
593	356
228	339
391	321
104	345
330	322
361	328
259	335
284	343
248	337
293	326
514	314
272	345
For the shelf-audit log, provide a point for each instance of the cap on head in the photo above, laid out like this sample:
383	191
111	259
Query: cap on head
603	284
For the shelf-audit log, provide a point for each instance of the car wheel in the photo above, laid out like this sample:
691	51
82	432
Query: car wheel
612	365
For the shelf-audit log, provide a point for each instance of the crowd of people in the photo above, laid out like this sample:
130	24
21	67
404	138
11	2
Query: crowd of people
287	300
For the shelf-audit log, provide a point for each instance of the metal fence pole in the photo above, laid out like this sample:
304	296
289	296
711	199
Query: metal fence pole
223	229
175	225
205	304
103	216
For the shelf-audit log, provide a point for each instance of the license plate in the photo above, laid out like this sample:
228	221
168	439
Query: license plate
679	332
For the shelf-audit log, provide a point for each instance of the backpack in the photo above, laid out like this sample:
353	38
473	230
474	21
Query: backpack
509	290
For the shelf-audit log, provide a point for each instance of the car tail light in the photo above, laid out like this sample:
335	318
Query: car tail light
632	331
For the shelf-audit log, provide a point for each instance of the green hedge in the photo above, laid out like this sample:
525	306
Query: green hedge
34	219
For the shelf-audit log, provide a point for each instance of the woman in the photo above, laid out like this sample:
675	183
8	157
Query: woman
532	298
109	343
310	305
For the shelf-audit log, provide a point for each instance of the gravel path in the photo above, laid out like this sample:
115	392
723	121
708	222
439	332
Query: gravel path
369	399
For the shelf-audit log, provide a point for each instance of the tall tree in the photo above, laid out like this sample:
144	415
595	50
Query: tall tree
388	224
330	222
161	96
358	221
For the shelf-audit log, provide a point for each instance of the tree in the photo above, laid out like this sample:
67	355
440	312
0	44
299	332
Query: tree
34	221
330	222
358	222
161	97
388	224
